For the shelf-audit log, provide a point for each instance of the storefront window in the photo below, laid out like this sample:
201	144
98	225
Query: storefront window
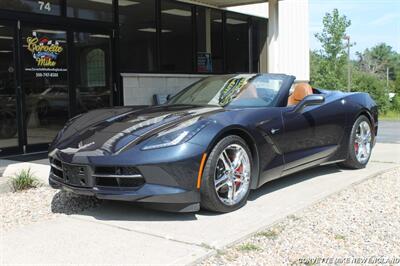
46	7
45	82
137	36
8	110
260	34
237	43
209	40
176	37
91	9
92	71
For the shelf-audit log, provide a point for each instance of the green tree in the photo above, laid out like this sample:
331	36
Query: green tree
378	59
366	82
332	60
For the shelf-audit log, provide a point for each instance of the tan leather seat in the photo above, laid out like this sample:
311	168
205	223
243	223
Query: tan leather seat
301	90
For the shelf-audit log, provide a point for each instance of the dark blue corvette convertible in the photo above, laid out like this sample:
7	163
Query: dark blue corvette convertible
213	142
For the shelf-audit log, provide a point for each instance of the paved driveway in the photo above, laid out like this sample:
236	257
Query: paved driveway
121	233
389	132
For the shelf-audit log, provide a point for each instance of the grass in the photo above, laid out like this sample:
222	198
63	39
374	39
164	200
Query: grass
249	247
270	234
24	180
390	115
274	232
340	237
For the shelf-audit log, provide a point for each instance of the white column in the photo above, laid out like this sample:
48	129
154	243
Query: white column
273	34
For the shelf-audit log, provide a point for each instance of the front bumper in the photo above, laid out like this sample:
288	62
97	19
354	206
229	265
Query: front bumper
165	178
177	199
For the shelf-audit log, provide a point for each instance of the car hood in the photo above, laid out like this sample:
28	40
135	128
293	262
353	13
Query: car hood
111	131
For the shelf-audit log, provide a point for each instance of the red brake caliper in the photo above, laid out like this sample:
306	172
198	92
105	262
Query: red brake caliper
240	170
356	147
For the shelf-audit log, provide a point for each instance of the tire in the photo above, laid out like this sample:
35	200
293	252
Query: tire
219	201
352	161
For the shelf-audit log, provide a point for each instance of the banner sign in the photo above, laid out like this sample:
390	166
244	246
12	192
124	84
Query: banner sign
46	53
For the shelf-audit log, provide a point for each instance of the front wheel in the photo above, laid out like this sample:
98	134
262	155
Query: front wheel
360	144
227	175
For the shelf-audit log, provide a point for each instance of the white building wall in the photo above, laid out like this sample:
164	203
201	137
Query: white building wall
293	39
292	47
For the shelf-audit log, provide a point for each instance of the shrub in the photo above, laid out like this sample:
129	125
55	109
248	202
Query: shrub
365	82
24	180
396	103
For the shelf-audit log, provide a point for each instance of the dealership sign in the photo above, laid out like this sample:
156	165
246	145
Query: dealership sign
45	52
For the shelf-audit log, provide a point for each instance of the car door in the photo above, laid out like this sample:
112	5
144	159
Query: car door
270	125
312	135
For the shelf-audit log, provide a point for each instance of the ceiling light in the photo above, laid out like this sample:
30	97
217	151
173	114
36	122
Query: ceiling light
231	21
127	3
6	37
120	3
5	51
49	31
154	30
177	12
100	36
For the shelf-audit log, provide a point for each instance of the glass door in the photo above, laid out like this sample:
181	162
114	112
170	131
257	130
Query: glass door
9	137
92	71
44	83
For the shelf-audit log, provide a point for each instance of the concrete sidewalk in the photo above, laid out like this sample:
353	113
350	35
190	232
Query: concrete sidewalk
120	233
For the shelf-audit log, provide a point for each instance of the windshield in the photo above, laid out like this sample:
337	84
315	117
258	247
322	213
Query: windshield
245	90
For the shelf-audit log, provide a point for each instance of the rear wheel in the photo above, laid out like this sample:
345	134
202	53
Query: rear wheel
227	175
360	144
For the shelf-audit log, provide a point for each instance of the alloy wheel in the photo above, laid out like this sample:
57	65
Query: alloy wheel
362	142
232	174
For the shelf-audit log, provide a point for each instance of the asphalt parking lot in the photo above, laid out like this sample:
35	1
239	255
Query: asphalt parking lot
121	233
389	132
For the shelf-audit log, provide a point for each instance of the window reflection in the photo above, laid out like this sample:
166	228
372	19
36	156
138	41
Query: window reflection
237	43
137	36
260	34
93	73
90	9
8	118
209	40
176	37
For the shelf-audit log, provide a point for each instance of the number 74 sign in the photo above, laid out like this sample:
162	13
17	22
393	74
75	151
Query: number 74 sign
43	5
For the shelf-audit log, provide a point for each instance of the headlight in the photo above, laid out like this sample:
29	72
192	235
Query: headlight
177	135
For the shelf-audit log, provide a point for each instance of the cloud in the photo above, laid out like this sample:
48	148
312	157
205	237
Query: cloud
385	19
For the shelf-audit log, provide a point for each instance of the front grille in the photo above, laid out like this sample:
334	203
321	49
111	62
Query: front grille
124	177
103	176
75	175
107	170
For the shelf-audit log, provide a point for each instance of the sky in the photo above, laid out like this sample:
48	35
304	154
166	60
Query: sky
372	21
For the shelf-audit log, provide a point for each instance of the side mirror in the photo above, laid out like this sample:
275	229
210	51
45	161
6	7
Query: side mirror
310	100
